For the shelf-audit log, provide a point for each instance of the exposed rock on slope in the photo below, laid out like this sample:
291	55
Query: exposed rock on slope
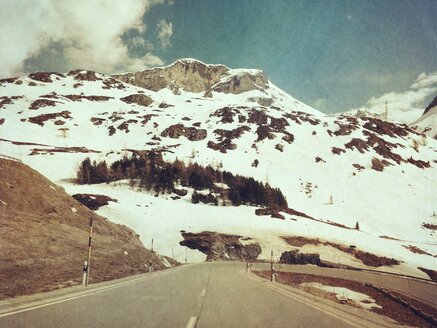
44	237
194	76
221	247
432	104
427	123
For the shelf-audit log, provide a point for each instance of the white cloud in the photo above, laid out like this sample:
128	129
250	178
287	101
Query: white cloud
320	103
165	33
408	105
425	81
89	33
137	41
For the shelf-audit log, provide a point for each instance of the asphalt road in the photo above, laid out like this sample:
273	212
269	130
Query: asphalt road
201	295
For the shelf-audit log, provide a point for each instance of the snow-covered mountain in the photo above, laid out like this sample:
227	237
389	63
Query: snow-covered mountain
334	171
422	121
427	123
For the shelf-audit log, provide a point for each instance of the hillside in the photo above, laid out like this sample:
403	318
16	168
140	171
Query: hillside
423	121
44	237
334	172
427	123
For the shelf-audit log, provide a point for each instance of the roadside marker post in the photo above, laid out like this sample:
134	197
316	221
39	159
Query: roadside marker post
89	253
272	268
85	268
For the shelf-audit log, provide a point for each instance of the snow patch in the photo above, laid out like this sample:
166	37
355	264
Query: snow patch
362	300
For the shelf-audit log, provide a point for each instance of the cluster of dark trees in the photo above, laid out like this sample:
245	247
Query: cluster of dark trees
153	173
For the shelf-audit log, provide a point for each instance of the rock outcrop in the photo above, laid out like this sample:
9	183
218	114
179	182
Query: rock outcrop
194	76
295	257
191	133
221	247
432	104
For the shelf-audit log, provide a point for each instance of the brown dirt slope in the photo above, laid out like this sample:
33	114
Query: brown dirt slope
44	242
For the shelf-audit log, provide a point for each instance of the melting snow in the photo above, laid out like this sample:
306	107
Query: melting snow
362	300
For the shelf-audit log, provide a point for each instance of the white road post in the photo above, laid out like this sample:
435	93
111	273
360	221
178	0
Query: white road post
85	269
89	252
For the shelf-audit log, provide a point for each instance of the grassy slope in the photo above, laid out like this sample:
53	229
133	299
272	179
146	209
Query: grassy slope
43	242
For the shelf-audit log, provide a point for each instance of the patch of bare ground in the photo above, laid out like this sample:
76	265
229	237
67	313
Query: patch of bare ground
93	201
90	98
225	138
430	226
83	75
44	237
306	216
366	258
221	247
388	237
139	99
44	76
41	119
191	133
337	151
21	143
431	273
226	114
42	151
8	100
301	241
40	103
416	250
390	308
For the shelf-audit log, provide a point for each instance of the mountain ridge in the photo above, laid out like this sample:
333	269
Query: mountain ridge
339	169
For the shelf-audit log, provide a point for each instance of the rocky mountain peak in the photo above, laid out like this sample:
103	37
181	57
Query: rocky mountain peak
195	76
432	104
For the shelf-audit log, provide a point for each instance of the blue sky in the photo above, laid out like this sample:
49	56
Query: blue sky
331	54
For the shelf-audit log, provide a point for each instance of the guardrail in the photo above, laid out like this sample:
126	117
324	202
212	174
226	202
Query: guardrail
419	312
11	158
428	281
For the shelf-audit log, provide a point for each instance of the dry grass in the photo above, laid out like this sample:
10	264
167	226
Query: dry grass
431	273
430	226
366	258
416	250
390	308
43	242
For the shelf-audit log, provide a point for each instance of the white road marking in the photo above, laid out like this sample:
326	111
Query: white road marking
100	290
203	293
304	301
192	322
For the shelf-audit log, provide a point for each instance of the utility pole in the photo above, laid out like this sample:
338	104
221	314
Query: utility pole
272	278
152	246
89	253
